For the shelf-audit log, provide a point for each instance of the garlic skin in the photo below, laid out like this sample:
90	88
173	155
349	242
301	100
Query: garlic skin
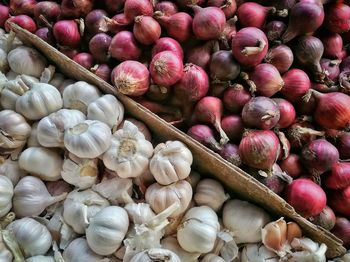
212	258
57	80
6	194
307	251
171	162
40	259
64	84
257	253
5	253
33	238
26	60
139	213
107	230
156	254
140	126
210	192
51	128
4	65
79	95
33	138
9	41
106	109
244	220
194	179
129	152
160	197
10	168
48	163
171	244
11	75
88	139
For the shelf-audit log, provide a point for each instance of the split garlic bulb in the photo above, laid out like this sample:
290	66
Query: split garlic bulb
198	230
156	254
257	253
139	213
171	244
6	193
107	230
32	237
160	197
88	139
10	168
212	258
106	109
40	259
171	162
33	138
42	162
26	60
78	250
51	128
79	95
129	152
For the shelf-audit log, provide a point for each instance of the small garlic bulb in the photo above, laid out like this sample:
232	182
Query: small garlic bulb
129	152
33	138
212	258
257	253
106	109
107	230
78	250
41	162
88	139
139	213
156	254
6	193
171	244
32	237
160	197
80	172
40	259
171	162
198	230
79	95
51	128
10	168
210	192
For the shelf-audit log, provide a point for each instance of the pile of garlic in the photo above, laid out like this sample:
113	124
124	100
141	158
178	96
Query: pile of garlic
80	183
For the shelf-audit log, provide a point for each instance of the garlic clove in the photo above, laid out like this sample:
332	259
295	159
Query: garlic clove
6	194
293	231
33	138
274	236
10	168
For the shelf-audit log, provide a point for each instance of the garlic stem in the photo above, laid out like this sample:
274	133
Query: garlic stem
55	199
12	245
5	221
158	220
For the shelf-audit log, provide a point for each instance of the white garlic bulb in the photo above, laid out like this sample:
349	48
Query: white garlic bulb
40	259
139	213
160	197
80	206
33	138
171	244
107	230
6	193
26	60
41	100
33	238
42	162
257	253
171	162
79	95
78	250
31	197
106	109
156	254
210	192
10	168
51	128
88	139
129	152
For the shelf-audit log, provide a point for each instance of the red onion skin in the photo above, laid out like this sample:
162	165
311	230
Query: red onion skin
50	10
235	97
188	3
287	113
131	78
218	89
23	21
339	176
233	126
66	33
166	68
331	68
304	18
124	47
166	7
114	6
339	201
292	165
204	135
45	34
167	44
261	112
69	52
158	93
84	59
259	149
345	64
342	230
281	57
22	7
230	153
158	108
223	66
252	14
201	55
274	30
325	219
229	7
307	198
333	46
229	31
338	18
146	30
246	38
116	24
133	8
95	21
76	8
296	84
102	71
99	46
4	15
302	133
343	145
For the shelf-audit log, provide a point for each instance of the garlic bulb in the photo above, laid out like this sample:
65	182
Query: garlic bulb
307	251
33	238
107	230
33	138
156	254
26	60
41	100
79	95
6	193
11	75
171	244
198	230
106	109
210	192
258	253
64	84
10	168
129	152
51	128
160	197
171	162
4	65
14	131
9	41
48	163
40	259
212	258
88	139
139	213
57	80
31	197
244	220
80	206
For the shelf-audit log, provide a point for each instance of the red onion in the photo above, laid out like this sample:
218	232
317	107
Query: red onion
68	52
325	219
4	15
319	156
338	18
160	109
331	68
253	14
301	133
178	26
343	145
296	84
333	46
114	6
67	33
124	47
267	79
281	57
307	198
217	89
76	8
23	21
339	201
99	47
223	66
166	7
102	71
342	230
274	30
84	59
204	135
259	149
235	97
158	93
233	127
95	21
201	55
249	46
287	113
229	31
115	24
229	7
50	10
45	34
230	152
285	4
133	8
304	18
20	7
166	68
146	30
167	44
131	78
339	176
292	165
305	107
189	3
323	88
